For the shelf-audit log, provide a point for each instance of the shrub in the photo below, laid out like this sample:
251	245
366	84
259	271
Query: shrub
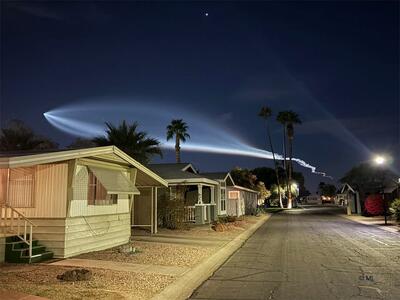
395	208
231	219
374	205
171	209
227	219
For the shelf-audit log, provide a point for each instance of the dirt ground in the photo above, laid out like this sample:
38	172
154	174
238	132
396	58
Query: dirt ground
40	280
173	254
155	254
233	229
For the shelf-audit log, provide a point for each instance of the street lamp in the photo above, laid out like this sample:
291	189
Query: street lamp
380	160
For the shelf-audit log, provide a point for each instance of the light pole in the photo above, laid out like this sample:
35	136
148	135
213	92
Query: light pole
380	160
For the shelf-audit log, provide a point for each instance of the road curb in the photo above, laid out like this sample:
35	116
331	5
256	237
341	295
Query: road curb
184	286
388	229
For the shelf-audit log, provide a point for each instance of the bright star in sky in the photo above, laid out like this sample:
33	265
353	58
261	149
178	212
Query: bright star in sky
206	14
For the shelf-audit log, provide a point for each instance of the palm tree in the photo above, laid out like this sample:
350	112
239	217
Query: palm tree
177	128
17	137
288	119
133	142
266	113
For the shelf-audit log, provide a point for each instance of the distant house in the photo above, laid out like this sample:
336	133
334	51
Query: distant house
350	198
201	194
392	189
241	201
73	201
313	199
225	181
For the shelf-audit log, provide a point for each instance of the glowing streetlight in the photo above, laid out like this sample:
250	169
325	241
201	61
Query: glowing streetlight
379	160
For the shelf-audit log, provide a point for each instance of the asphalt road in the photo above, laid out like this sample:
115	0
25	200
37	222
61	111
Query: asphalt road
310	254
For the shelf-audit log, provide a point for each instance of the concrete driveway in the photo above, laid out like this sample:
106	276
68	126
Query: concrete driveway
310	254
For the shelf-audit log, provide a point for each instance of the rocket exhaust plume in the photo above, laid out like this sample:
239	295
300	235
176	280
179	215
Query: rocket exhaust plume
87	120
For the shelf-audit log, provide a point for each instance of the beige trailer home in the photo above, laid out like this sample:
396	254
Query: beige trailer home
73	201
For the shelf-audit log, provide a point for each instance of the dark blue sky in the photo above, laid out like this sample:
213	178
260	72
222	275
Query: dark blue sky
335	63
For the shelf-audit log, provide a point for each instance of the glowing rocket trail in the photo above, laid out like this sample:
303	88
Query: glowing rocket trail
87	120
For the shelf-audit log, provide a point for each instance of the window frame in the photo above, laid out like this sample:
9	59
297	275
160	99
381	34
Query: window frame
223	200
13	183
95	184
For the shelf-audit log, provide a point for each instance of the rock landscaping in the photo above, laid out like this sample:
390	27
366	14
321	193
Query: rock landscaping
75	275
181	248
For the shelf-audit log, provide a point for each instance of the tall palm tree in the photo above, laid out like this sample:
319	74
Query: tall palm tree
177	128
18	136
288	119
133	142
266	113
282	118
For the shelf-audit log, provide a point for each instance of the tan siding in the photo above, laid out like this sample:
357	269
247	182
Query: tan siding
3	185
50	196
51	233
92	233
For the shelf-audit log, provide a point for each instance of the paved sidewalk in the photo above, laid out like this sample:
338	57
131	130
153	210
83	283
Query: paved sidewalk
121	266
12	295
378	221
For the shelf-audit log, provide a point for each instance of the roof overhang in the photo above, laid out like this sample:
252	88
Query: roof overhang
244	189
189	181
189	166
228	176
348	186
107	153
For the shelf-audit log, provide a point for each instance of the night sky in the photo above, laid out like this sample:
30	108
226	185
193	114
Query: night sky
335	63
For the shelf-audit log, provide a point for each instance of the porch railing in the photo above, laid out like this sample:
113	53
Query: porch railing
15	223
190	214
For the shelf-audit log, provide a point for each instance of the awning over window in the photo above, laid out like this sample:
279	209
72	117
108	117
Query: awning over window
114	181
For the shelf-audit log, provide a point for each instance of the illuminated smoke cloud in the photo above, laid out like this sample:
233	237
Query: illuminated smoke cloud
87	120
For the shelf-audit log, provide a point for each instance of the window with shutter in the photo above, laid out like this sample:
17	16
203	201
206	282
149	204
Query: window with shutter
97	194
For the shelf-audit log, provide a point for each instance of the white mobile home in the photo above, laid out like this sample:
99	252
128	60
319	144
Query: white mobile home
200	193
225	180
77	201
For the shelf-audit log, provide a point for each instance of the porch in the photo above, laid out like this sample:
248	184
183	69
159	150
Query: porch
190	203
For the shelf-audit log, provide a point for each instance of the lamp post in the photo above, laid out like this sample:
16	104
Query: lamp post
380	160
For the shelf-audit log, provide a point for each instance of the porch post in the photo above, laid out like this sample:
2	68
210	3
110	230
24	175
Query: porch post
199	207
213	206
200	194
152	210
155	210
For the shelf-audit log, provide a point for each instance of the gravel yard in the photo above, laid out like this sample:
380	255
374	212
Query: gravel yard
41	280
206	231
168	254
154	253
